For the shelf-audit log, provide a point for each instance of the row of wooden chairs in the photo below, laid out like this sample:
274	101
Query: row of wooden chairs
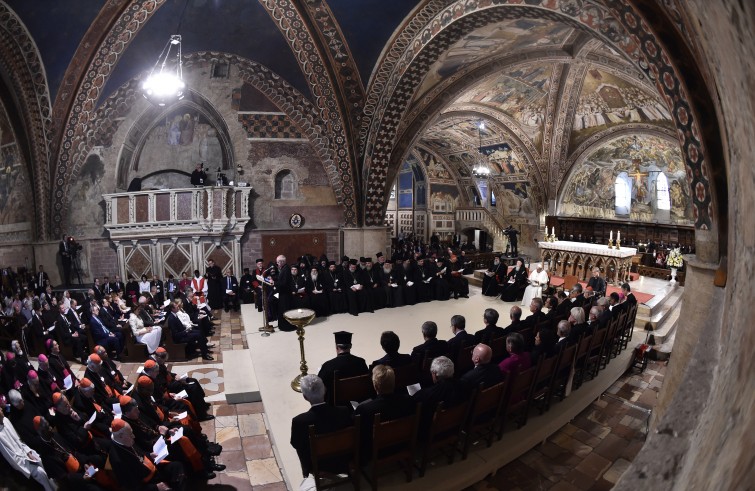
486	415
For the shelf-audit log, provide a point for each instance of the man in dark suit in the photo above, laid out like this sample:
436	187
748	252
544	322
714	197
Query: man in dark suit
283	282
66	256
231	291
182	334
70	334
461	338
445	389
346	364
325	418
630	298
597	283
563	331
536	315
117	285
515	316
41	280
388	403
112	341
390	343
97	289
247	286
484	373
432	347
491	331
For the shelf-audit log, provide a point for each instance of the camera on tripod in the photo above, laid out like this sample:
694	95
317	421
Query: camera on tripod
73	246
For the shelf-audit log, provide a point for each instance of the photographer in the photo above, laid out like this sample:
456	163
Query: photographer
199	176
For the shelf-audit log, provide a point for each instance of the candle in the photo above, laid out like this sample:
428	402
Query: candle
300	311
618	236
610	237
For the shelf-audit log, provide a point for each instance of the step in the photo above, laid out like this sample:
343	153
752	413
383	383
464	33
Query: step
660	309
668	327
474	280
239	377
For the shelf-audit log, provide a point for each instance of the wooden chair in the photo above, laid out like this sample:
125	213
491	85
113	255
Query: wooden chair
498	346
135	352
349	389
605	353
445	430
580	358
616	340
176	351
484	414
338	444
394	441
592	363
570	281
562	373
464	361
517	400
542	385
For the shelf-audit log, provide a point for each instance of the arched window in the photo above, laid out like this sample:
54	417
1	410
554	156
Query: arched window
623	191
662	198
285	186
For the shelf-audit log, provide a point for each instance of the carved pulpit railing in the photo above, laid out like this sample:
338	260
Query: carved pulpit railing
175	230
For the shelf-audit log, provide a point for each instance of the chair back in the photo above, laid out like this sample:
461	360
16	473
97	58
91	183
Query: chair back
405	375
464	361
487	403
348	389
338	444
394	441
498	345
570	281
135	351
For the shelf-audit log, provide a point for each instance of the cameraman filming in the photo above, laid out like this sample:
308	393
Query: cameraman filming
199	176
66	252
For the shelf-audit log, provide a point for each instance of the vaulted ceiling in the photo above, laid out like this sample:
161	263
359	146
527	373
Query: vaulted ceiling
548	77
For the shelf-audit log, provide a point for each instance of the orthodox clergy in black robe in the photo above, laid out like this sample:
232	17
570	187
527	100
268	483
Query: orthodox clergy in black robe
214	285
246	288
459	284
411	279
515	283
354	284
334	287
493	277
374	279
442	279
393	285
283	286
318	297
426	284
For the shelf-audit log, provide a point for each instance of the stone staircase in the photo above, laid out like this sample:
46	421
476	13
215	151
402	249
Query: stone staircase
662	311
482	218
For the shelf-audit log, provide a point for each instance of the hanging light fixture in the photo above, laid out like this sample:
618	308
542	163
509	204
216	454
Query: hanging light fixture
481	169
165	84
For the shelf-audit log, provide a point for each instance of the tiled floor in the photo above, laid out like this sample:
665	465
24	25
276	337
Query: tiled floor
590	453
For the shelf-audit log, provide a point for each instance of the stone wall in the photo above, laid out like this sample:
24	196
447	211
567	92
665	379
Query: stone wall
704	438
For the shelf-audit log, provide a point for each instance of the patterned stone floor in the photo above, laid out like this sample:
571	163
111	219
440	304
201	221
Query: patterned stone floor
590	453
595	449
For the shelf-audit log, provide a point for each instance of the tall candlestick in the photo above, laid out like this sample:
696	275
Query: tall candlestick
610	237
618	236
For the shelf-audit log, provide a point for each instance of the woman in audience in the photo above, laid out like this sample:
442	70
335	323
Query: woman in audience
149	335
518	359
545	343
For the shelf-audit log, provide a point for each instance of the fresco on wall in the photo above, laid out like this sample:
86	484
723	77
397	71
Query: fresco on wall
444	198
435	170
607	100
183	138
508	36
15	185
513	199
87	221
522	94
589	190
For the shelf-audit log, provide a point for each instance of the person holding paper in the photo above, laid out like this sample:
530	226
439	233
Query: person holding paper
514	283
84	404
135	470
176	384
20	456
231	288
147	434
71	425
58	364
149	335
537	280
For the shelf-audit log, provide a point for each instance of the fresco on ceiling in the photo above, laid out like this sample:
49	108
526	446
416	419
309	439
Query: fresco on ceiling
435	170
514	199
15	185
183	138
589	190
444	198
521	94
507	36
607	100
503	160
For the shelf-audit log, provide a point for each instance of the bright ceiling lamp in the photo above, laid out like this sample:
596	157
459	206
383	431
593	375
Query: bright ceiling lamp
165	84
481	170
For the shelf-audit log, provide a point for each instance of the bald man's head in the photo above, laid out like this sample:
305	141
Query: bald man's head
482	354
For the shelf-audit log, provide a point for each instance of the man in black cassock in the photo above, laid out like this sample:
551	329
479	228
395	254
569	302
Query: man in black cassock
283	284
345	363
333	282
214	285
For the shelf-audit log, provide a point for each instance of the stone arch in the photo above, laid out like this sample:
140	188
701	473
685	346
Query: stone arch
33	123
137	136
285	184
619	25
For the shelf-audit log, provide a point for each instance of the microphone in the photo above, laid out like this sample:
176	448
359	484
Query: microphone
271	267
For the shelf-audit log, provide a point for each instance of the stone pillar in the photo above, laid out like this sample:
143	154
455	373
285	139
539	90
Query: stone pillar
365	241
697	303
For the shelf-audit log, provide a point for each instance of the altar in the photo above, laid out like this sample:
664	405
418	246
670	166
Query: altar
565	258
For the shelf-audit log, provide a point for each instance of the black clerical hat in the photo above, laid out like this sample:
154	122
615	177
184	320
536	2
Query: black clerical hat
342	337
